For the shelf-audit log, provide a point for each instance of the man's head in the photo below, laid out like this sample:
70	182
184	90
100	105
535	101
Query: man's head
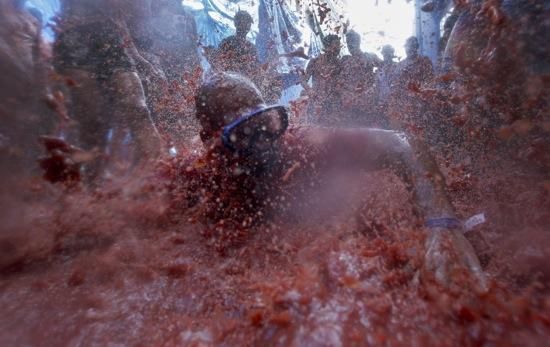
332	44
225	98
221	99
243	22
388	53
354	42
411	47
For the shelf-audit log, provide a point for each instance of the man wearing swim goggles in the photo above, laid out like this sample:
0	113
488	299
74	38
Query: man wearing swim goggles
256	130
240	131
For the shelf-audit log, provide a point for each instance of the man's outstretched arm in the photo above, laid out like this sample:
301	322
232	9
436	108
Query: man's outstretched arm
446	245
374	149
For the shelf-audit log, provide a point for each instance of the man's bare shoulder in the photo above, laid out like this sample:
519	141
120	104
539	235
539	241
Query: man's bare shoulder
317	135
360	148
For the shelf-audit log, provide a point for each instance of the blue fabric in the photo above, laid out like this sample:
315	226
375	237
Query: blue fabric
226	133
278	30
49	9
214	23
446	223
275	31
214	19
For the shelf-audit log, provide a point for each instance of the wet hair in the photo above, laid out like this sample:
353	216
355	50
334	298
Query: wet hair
221	98
243	16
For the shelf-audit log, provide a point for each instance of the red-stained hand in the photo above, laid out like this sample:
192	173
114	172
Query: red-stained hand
448	253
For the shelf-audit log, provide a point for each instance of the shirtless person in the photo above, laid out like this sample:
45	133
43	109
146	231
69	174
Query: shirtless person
255	168
325	92
414	67
407	110
358	81
236	53
94	50
384	81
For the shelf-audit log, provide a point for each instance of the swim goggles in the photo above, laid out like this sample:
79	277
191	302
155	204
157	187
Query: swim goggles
256	130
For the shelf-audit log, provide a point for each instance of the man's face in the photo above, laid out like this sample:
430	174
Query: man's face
333	48
243	26
411	48
254	148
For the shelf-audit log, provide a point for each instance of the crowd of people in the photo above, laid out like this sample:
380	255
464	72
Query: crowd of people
356	89
144	69
341	90
130	70
121	73
117	70
222	197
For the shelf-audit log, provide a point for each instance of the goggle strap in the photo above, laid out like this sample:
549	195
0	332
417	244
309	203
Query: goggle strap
226	133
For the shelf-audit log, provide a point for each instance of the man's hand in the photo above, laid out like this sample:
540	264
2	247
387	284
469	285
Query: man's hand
447	253
447	250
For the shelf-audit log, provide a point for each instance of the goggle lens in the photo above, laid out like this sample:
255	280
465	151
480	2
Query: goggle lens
256	130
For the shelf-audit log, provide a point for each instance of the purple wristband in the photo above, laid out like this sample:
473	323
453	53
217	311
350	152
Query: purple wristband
447	223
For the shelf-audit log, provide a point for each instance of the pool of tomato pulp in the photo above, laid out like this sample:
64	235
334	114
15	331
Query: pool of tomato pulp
113	266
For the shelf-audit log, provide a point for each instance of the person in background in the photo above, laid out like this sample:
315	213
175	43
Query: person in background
325	92
95	50
415	68
174	41
235	53
385	75
23	86
174	38
407	109
358	82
